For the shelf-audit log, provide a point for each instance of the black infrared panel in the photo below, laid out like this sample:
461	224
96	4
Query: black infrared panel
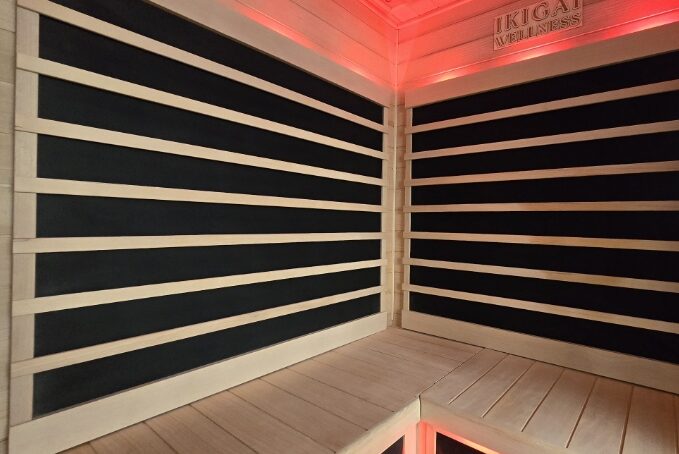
76	47
620	150
71	272
624	339
63	215
650	225
396	448
89	161
445	445
614	300
640	186
625	112
102	109
653	69
153	22
611	262
75	328
67	386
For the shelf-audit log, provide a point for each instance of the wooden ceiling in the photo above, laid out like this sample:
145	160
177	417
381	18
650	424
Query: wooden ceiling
401	12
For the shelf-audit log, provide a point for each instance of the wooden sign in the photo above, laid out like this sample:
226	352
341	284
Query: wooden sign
542	18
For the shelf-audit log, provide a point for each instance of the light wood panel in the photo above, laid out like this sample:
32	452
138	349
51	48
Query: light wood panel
623	47
69	16
70	244
69	187
138	438
612	281
608	133
608	243
106	83
606	317
646	372
52	433
546	206
81	355
86	299
87	133
651	425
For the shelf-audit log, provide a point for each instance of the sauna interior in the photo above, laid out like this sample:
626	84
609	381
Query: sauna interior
339	226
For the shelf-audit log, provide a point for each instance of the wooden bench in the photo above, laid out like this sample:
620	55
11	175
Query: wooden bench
365	396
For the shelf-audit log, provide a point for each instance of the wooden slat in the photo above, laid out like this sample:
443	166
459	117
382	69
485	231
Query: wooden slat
416	357
82	449
53	433
612	281
515	408
371	371
84	188
86	299
70	244
606	317
608	133
389	362
453	385
651	425
569	172
612	95
606	243
255	427
470	349
188	431
366	389
634	369
134	439
353	409
81	355
602	424
482	395
555	419
448	351
35	125
320	425
632	205
101	82
97	26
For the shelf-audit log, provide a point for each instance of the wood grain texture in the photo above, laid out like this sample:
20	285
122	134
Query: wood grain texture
651	425
187	431
134	439
602	425
318	424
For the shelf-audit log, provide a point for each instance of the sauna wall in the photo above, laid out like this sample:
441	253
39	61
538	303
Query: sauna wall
181	199
7	34
459	40
548	208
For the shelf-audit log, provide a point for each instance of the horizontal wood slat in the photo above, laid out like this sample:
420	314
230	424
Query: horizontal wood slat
622	131
94	25
612	95
53	433
670	205
88	133
571	172
98	81
605	317
611	281
68	187
81	355
609	243
44	245
93	298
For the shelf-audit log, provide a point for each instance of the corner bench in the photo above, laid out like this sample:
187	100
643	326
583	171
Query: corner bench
367	395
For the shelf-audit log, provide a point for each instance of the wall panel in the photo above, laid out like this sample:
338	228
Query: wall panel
167	225
547	208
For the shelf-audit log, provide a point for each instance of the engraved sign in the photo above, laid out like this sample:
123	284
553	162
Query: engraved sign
542	18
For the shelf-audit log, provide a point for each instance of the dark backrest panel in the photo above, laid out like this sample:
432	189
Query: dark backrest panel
560	222
155	216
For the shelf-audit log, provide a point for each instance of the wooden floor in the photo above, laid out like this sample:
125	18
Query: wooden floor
325	404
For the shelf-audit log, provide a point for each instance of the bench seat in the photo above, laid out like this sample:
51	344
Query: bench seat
365	396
